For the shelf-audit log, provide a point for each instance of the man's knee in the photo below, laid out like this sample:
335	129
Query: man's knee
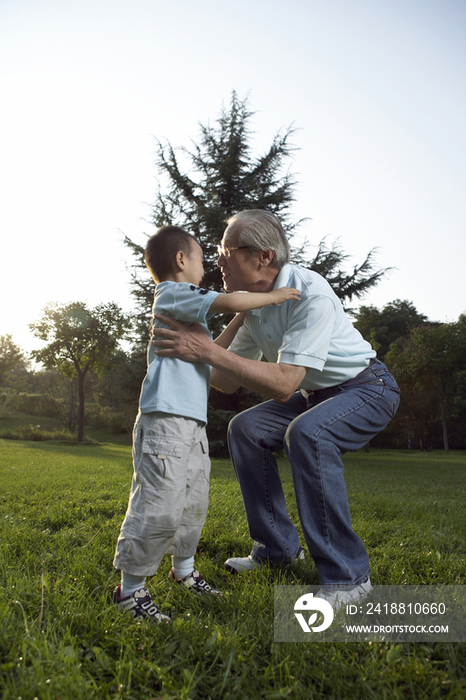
238	426
301	433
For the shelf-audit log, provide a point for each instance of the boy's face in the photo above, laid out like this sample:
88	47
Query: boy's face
195	268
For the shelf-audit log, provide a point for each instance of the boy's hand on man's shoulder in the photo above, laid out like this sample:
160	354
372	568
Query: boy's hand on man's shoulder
285	294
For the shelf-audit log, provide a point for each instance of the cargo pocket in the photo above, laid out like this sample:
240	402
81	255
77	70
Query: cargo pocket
205	457
160	450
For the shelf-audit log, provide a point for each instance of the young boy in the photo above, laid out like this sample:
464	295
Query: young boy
170	489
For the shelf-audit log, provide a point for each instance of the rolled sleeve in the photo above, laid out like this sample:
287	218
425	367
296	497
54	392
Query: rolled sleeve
309	329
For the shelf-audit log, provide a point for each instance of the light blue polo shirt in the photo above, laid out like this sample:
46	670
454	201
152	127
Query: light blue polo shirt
172	385
313	332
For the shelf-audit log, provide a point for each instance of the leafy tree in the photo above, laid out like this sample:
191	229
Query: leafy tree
382	327
118	388
11	356
458	414
80	340
202	187
432	360
63	393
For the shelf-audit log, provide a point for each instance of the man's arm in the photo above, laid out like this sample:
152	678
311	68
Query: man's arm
274	380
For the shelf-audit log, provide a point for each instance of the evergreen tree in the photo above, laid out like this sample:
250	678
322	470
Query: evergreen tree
199	189
202	187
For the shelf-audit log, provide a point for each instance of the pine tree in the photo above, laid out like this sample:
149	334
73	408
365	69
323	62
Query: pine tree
199	189
222	178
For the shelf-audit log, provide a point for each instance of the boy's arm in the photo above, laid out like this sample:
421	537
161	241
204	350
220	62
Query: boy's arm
241	301
225	339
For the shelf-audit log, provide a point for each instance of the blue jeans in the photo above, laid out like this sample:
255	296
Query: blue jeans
314	432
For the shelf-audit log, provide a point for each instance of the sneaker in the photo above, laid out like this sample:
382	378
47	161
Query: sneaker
240	565
140	605
300	555
340	598
194	583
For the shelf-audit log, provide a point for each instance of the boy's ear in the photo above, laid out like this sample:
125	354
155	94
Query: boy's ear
180	260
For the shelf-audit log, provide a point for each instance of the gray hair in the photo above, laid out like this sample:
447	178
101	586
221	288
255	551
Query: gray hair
261	230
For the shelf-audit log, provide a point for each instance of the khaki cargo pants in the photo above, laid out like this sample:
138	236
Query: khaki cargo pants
169	492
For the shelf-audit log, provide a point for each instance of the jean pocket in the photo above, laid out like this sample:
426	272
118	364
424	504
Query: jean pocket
374	383
395	392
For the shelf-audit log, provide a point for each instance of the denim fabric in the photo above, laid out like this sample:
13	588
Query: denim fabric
314	432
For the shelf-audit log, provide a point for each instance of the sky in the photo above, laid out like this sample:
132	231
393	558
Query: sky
376	90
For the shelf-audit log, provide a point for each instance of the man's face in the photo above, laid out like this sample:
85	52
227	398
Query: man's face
240	270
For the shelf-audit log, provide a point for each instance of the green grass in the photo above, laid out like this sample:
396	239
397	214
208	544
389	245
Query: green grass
61	507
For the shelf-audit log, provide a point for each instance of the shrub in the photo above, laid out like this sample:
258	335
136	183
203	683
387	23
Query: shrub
32	404
105	417
34	432
217	427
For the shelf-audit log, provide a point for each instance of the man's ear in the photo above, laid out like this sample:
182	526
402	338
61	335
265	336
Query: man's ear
266	257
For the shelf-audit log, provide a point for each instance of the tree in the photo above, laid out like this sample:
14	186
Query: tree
63	393
432	360
217	178
201	187
80	340
11	356
382	327
119	387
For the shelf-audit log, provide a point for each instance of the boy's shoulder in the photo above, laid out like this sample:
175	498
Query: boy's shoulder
183	300
180	289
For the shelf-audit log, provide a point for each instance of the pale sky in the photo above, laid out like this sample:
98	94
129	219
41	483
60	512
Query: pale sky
377	89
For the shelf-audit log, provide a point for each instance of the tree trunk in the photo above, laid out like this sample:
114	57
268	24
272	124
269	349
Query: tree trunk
444	425
81	407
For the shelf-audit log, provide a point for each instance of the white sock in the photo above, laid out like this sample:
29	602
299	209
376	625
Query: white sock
182	566
130	583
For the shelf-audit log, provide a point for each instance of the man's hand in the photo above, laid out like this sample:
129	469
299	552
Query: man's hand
189	343
274	380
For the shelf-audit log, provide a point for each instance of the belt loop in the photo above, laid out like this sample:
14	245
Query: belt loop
380	369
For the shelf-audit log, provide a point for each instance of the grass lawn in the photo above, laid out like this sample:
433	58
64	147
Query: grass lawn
61	507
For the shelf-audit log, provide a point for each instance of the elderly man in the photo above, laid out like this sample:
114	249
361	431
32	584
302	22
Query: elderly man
329	394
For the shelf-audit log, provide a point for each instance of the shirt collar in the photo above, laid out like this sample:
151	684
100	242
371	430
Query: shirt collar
281	281
283	277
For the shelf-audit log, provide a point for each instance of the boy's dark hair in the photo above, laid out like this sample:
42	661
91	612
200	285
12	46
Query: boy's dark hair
163	246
